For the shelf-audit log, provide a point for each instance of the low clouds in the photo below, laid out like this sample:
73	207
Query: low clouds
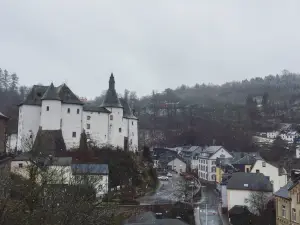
147	44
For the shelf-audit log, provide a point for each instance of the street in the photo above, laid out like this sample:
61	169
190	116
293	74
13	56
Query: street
210	200
170	190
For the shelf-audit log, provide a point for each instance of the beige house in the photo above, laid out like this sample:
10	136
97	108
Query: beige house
288	203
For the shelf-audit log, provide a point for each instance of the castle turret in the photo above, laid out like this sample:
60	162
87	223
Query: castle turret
112	103
51	110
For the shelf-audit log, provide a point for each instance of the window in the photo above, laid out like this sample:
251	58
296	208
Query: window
257	171
298	198
213	177
78	111
20	165
88	136
88	126
88	117
60	123
47	108
111	117
283	211
213	162
74	134
247	170
30	136
69	110
293	214
213	169
132	134
263	164
120	130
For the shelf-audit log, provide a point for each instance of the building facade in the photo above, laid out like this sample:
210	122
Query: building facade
58	108
3	128
177	165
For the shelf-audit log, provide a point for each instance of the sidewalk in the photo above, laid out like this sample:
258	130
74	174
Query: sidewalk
223	217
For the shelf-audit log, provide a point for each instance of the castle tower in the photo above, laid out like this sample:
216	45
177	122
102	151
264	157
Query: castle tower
51	110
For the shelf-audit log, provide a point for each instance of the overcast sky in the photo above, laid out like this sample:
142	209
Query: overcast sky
148	45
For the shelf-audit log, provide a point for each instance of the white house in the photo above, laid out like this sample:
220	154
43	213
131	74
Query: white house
241	185
297	152
289	136
178	165
58	108
277	174
207	161
12	142
61	170
273	134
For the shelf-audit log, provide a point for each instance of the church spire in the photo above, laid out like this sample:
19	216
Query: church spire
112	82
111	98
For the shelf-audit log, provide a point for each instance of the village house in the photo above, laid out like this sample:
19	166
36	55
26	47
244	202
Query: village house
241	185
288	201
3	129
207	162
49	108
277	174
177	165
64	171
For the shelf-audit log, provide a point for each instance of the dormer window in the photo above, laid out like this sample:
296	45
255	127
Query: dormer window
47	108
263	164
69	110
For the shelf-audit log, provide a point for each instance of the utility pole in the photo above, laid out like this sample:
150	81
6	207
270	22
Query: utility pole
206	214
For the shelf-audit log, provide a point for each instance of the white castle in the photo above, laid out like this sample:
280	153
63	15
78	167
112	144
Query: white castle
57	110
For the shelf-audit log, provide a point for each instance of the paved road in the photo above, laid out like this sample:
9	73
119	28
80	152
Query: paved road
170	190
210	199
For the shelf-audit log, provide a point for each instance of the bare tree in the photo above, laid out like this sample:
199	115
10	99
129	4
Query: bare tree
257	202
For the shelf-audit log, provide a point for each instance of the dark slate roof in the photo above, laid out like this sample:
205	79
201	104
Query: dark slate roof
35	94
250	181
89	168
92	108
48	142
51	94
64	93
127	112
283	192
111	98
67	96
2	116
22	157
246	160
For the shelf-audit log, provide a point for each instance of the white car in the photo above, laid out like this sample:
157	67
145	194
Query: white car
169	175
163	178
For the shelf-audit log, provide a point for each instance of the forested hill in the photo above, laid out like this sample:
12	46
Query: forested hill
11	94
280	88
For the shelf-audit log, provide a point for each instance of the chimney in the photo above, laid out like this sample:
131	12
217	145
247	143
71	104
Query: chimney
295	175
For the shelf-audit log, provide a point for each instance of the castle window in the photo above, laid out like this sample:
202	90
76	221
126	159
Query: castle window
74	134
120	130
88	126
88	117
69	110
132	122
132	134
20	165
78	111
111	117
47	108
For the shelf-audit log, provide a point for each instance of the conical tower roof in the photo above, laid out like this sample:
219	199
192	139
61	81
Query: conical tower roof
111	98
51	94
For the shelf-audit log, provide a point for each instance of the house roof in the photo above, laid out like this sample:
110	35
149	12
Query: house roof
25	156
179	158
89	169
127	112
48	142
92	108
2	116
212	149
250	181
248	159
63	92
111	98
51	94
283	192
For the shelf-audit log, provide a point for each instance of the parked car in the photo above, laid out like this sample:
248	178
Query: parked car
163	178
169	175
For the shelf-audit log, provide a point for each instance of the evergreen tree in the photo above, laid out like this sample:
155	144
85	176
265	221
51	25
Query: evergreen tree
147	154
14	81
83	146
